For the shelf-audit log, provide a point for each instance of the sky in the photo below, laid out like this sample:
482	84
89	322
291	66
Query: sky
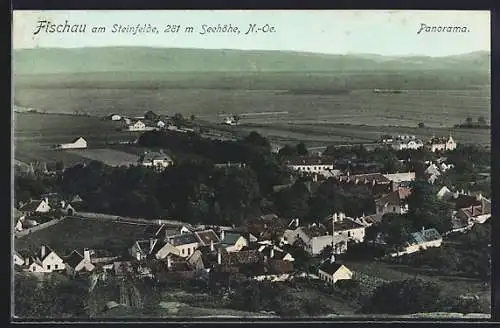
392	33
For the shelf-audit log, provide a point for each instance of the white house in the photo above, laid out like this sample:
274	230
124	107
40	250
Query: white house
420	241
441	144
401	177
347	227
313	165
45	261
35	206
232	242
78	143
18	258
413	144
187	243
75	262
160	124
331	272
445	193
274	252
315	237
115	117
139	126
156	160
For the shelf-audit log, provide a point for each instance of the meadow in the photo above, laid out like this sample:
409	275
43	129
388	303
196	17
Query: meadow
76	233
108	156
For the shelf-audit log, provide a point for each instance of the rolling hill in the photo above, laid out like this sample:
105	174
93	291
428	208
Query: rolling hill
143	59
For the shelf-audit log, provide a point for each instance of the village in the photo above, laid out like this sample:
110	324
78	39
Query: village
263	247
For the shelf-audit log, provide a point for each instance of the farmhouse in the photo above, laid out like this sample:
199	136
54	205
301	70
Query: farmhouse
331	272
367	179
475	213
441	144
139	126
45	261
412	143
156	160
115	117
78	143
187	243
271	252
18	258
421	240
35	206
315	238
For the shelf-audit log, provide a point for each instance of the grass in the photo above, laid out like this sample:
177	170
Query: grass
452	286
75	233
108	156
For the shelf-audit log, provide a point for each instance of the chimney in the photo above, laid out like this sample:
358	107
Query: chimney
219	257
297	222
43	251
335	217
423	229
341	216
479	196
152	243
212	246
332	258
222	234
46	199
86	254
271	254
169	262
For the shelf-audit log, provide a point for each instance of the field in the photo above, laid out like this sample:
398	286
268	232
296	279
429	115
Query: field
108	156
453	286
75	233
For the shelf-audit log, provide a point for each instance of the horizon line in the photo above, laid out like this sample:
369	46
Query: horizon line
259	50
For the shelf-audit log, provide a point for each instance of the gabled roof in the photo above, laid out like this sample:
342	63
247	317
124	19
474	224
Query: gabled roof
242	257
206	237
279	254
424	236
183	239
344	225
31	206
394	198
330	268
366	178
73	259
230	238
155	156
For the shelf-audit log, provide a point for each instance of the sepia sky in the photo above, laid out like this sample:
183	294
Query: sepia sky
332	32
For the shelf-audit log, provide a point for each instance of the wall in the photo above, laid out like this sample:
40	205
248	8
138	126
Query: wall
417	248
356	235
38	227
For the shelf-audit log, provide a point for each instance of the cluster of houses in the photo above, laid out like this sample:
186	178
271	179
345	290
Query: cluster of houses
35	211
434	144
149	122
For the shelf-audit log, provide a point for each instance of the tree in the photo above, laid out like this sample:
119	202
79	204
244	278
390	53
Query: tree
255	139
468	120
193	117
481	120
421	125
394	229
292	202
404	297
302	149
287	150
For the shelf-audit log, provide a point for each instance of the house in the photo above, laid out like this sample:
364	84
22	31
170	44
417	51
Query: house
441	144
35	206
46	260
186	243
331	272
315	238
165	230
76	262
25	223
156	160
139	126
115	117
232	241
368	220
270	251
394	202
398	178
347	227
309	165
271	270
207	237
150	116
421	240
18	258
407	142
160	124
475	213
367	179
78	143
444	193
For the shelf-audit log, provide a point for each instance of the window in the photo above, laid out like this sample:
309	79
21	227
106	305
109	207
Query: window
48	267
189	251
183	251
56	266
349	234
394	208
34	268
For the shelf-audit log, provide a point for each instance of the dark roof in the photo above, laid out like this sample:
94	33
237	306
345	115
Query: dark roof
373	219
278	254
230	238
345	224
31	206
73	259
329	267
207	236
278	266
365	178
393	198
424	236
315	231
463	201
183	239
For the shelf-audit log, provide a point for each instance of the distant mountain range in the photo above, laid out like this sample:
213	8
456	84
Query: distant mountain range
143	59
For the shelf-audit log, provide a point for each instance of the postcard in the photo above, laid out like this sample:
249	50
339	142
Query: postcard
194	164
